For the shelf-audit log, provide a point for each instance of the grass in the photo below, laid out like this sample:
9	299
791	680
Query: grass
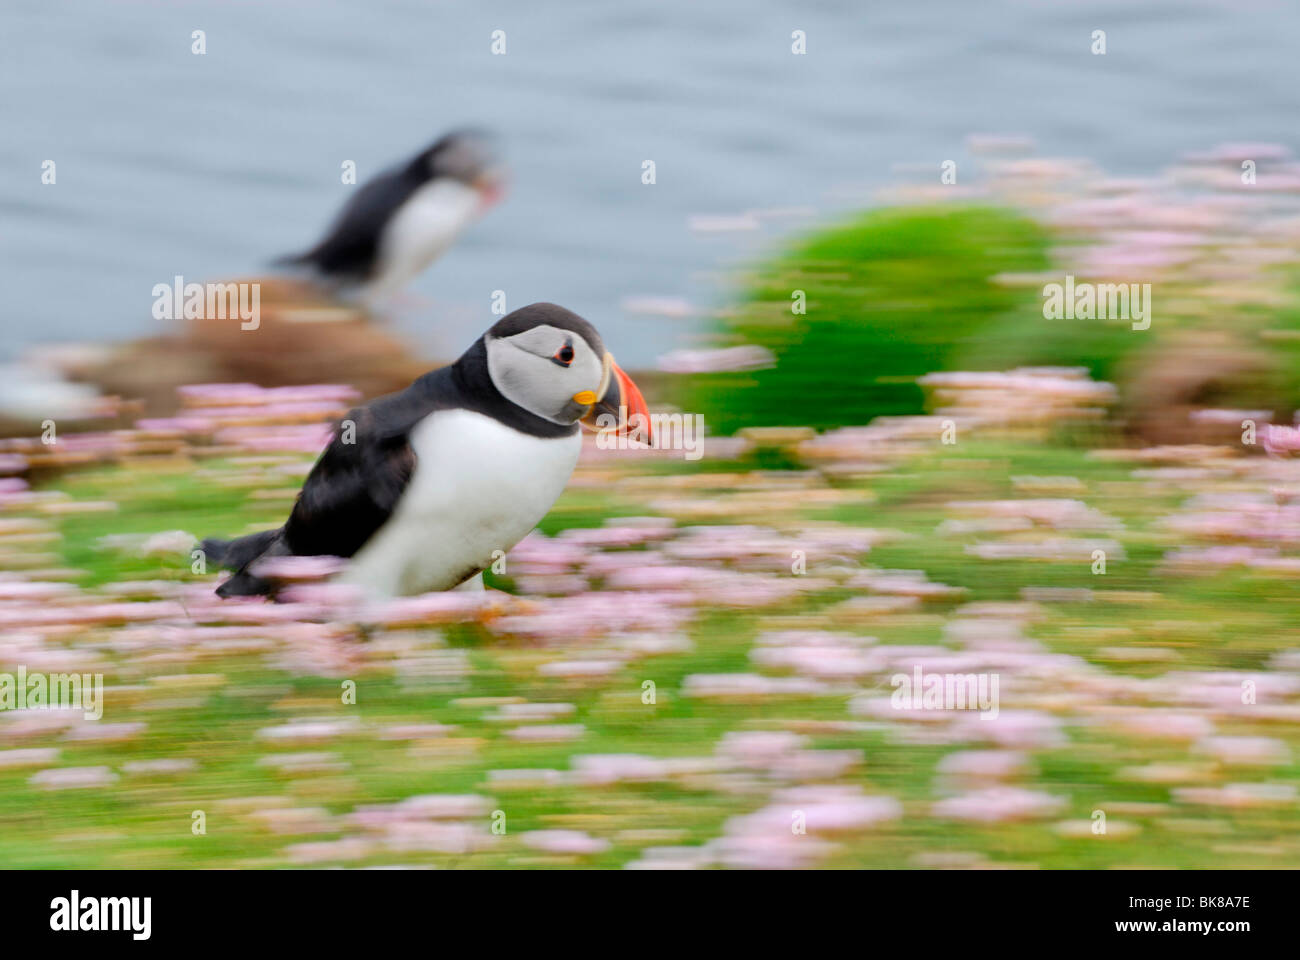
1229	622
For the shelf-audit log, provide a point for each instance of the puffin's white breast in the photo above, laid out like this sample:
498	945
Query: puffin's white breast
478	486
421	230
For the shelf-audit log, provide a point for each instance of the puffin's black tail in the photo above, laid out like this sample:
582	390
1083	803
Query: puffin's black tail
238	555
234	554
292	260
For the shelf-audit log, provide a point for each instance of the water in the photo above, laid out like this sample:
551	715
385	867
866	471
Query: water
208	166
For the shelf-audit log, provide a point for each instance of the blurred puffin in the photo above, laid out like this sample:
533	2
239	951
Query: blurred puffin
405	218
425	484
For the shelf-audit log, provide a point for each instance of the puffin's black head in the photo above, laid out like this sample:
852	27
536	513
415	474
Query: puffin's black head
466	156
553	363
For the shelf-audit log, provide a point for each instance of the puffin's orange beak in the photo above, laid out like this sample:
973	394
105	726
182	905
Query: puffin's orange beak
491	188
622	410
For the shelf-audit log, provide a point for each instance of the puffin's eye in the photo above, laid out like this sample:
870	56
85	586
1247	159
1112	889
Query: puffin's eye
564	356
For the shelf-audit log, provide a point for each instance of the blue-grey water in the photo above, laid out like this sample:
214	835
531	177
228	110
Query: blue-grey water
207	166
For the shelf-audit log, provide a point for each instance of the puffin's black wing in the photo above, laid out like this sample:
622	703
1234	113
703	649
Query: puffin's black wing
351	246
355	485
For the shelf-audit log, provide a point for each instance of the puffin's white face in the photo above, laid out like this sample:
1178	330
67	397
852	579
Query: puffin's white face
468	158
548	371
464	156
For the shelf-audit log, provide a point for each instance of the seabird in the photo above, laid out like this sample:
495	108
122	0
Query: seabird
405	218
419	488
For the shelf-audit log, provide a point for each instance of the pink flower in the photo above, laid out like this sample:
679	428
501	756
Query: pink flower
997	804
73	778
573	842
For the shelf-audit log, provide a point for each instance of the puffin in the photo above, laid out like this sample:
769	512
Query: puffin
403	219
418	489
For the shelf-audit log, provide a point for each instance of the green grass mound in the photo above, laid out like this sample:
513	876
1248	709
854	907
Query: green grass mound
892	295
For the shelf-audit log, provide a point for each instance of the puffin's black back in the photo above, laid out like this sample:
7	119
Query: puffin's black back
351	247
